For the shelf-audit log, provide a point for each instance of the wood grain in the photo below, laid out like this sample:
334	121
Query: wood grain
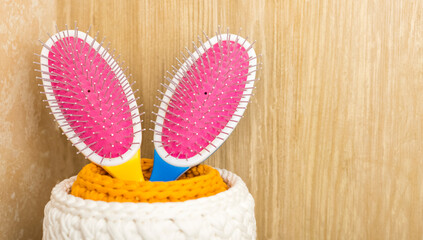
33	154
331	144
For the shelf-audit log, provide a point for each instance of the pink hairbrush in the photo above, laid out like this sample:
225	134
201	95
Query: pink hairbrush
202	104
92	101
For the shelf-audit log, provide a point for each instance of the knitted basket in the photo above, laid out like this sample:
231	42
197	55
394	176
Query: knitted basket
226	215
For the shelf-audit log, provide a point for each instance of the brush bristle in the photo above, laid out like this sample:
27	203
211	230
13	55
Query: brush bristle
205	96
90	93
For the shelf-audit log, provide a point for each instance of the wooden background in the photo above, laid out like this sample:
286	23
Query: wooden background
331	146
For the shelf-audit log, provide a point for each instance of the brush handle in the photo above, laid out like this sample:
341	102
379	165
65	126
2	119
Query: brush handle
163	171
129	170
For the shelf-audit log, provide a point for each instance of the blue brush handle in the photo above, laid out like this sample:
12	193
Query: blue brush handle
163	171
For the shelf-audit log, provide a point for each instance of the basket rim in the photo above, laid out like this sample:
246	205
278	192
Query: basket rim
62	200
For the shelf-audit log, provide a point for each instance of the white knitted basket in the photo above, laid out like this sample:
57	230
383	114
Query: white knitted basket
226	215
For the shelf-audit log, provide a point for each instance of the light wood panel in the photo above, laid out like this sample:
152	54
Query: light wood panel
33	154
331	144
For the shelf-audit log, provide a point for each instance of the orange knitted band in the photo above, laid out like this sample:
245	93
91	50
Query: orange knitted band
96	184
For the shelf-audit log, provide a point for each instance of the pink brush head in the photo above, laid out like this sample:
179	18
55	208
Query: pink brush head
205	99
90	97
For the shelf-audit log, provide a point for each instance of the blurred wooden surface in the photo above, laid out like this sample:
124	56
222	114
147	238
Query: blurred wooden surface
331	146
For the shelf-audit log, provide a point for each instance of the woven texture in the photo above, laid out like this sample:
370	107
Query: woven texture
226	215
96	184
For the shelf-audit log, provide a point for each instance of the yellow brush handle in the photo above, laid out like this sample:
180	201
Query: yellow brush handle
129	170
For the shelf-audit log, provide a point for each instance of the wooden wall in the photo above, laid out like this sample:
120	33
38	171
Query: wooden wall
331	146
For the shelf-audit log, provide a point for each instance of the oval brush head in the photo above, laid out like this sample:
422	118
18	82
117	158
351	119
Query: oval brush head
92	101
203	103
